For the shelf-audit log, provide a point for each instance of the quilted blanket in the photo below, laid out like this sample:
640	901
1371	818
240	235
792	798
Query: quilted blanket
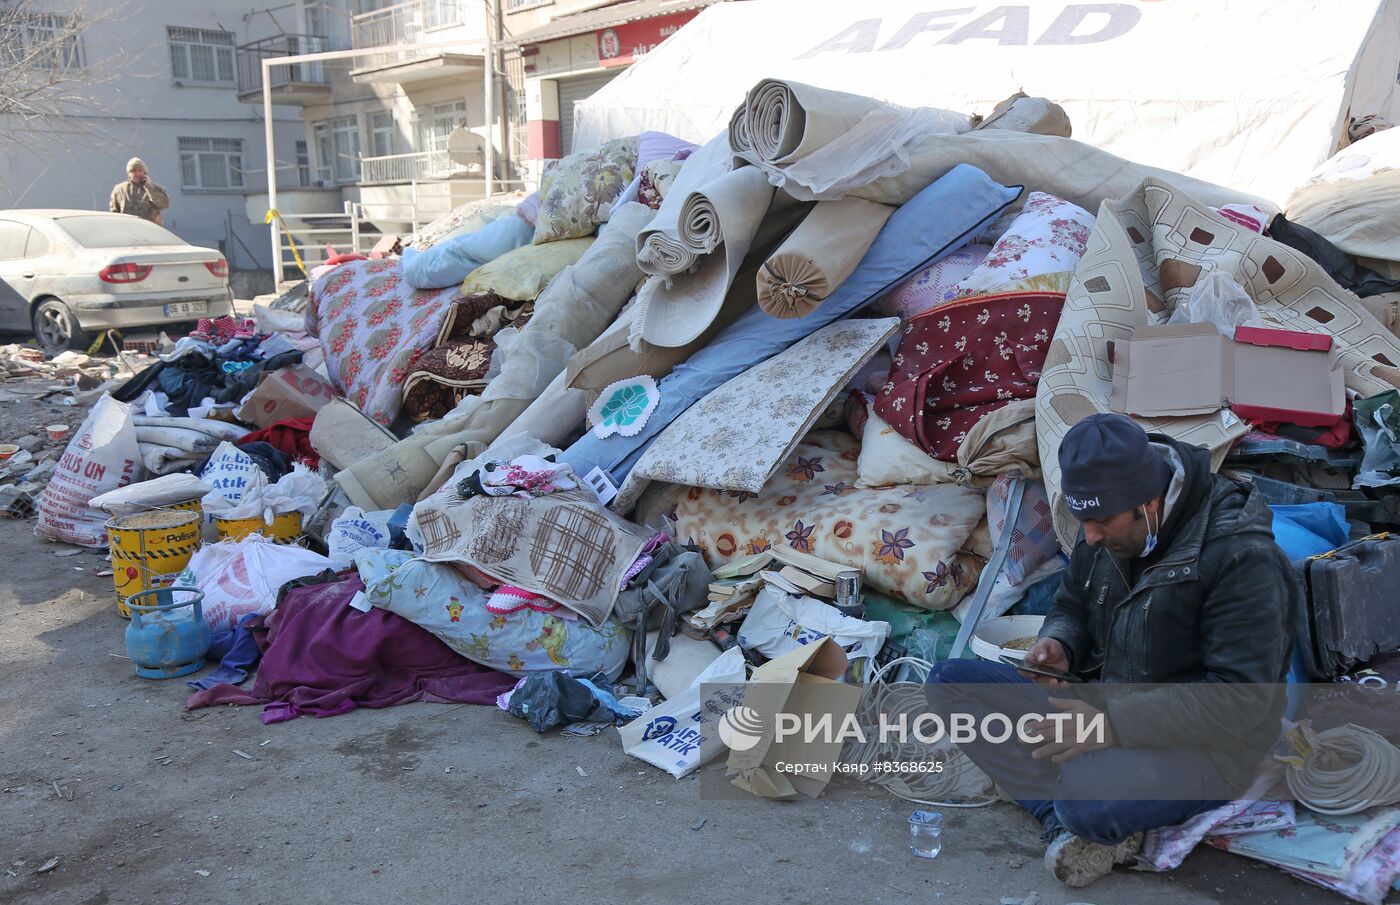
373	327
910	542
1143	256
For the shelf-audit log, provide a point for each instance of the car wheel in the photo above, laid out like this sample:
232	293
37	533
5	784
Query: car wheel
56	328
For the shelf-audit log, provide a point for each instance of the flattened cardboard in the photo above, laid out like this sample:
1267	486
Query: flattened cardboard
1264	374
295	392
804	682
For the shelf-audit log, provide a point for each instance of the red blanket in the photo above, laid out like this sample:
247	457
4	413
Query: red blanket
961	361
292	436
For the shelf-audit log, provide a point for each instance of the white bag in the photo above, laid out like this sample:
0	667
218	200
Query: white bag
232	472
354	531
780	622
299	490
103	455
243	576
679	735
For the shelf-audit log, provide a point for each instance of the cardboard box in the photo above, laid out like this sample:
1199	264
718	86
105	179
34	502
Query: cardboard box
295	392
802	682
1263	375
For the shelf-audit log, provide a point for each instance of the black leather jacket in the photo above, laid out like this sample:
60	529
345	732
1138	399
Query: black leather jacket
1214	603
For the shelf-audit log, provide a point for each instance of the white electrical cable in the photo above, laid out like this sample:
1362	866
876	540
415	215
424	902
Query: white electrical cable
905	698
1349	770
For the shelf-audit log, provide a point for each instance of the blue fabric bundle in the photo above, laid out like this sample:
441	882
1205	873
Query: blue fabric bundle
933	224
451	260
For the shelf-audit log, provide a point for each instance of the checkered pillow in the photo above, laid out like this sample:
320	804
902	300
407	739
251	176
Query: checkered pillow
1033	541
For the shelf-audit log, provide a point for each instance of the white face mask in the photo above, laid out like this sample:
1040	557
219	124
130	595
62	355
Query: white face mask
1151	543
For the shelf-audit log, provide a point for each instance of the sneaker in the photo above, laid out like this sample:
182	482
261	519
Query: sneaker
1077	862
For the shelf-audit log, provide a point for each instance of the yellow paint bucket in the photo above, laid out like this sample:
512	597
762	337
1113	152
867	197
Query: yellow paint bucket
150	548
285	528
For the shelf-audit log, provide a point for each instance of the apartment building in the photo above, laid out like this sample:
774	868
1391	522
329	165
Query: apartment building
160	82
380	123
387	130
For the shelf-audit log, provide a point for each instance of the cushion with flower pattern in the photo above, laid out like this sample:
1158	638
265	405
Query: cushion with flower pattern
1048	236
577	193
911	543
373	326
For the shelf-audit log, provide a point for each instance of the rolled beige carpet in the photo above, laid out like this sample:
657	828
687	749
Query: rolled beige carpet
659	249
818	256
733	198
719	223
740	141
786	121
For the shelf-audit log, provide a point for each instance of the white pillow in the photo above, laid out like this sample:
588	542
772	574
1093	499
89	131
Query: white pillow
888	458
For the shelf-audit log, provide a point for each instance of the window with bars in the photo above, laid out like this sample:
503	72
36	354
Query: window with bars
303	164
42	41
201	55
513	6
442	119
211	163
337	150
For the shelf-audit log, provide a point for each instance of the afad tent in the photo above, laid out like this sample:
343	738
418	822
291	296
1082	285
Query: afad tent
1237	92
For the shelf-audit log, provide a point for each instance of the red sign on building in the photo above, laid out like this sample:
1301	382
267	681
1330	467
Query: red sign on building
624	44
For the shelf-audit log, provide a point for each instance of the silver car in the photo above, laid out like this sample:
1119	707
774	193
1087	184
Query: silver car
69	274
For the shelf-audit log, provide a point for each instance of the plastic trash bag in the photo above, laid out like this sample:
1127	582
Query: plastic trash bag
552	699
300	490
354	531
1217	299
780	622
1378	422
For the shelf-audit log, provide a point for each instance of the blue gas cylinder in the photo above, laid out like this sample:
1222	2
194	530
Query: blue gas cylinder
165	638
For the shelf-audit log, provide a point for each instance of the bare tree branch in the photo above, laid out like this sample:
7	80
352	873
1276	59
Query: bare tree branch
47	82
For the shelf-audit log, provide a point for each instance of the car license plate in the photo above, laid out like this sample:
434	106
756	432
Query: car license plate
186	309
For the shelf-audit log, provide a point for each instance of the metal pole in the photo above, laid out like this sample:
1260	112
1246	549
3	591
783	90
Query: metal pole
489	81
268	134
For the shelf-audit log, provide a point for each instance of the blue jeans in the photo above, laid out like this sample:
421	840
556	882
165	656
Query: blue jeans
1077	805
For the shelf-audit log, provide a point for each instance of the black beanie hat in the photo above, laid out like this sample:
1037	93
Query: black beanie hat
1108	466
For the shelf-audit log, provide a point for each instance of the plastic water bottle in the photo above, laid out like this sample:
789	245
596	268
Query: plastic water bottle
925	834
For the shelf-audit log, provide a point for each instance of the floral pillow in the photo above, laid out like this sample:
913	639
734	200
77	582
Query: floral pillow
934	285
577	193
1048	236
911	543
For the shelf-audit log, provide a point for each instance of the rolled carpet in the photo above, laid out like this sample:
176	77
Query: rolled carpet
718	223
786	121
660	251
819	255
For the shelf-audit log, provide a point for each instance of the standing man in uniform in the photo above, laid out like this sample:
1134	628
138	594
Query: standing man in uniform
138	195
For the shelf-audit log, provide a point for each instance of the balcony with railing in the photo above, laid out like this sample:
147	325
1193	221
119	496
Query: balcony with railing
298	83
461	22
420	166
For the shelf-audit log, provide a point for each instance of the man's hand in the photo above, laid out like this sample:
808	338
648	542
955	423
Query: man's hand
1069	747
1050	654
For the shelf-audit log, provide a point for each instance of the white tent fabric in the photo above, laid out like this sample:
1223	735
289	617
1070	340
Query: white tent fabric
1232	92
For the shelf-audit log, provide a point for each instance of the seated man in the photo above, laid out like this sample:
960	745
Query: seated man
1175	579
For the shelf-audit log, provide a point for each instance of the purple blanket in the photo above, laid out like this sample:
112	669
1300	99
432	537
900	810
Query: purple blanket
324	658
